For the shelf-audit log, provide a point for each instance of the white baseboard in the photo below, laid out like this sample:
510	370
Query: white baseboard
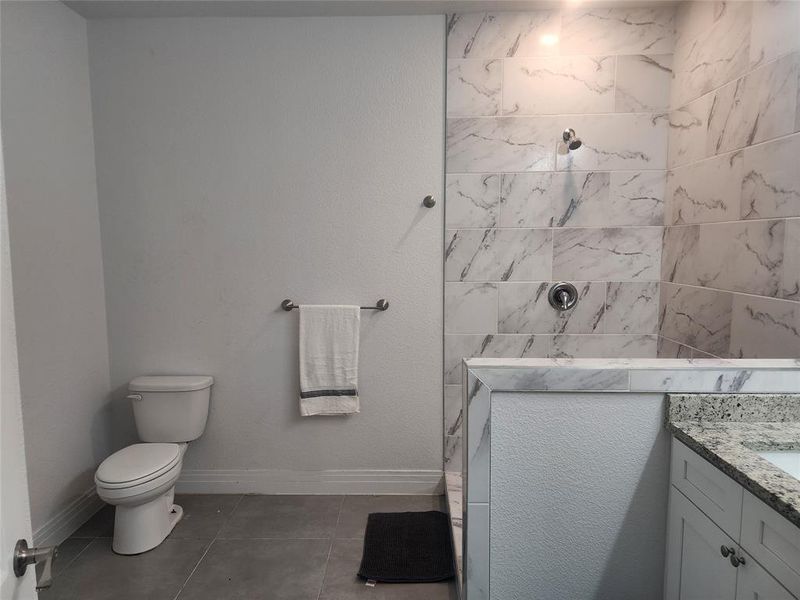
242	481
278	481
64	524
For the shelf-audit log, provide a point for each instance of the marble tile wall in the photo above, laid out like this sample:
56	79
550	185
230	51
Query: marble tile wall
522	212
731	255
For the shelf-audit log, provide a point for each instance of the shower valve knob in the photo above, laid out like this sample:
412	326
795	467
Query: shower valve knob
563	296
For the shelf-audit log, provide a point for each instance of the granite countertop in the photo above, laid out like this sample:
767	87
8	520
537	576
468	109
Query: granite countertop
729	429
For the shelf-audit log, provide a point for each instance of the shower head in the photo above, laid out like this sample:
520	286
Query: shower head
572	141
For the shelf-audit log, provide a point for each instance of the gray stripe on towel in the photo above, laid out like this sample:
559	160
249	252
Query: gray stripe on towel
318	393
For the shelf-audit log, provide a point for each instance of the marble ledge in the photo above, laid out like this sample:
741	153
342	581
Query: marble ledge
758	376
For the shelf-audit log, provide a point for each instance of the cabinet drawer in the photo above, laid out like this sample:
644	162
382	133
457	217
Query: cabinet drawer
773	541
713	492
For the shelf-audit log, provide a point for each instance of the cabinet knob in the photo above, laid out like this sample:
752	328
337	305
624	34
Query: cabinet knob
727	551
737	560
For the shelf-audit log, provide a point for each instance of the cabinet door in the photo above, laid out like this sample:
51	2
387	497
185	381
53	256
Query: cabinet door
756	584
696	569
774	541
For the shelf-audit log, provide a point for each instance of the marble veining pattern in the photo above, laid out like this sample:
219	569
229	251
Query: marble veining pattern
648	30
697	317
770	184
733	154
643	83
478	441
632	307
499	35
497	254
617	142
558	85
524	308
764	327
758	107
717	54
705	191
473	200
527	199
582	200
740	256
668	348
453	453
637	198
774	30
688	127
453	415
458	347
480	145
606	345
607	254
473	87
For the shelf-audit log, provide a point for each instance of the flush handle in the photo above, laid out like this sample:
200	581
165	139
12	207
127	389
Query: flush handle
563	296
25	556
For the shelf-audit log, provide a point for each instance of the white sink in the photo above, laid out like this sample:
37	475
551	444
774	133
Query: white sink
787	460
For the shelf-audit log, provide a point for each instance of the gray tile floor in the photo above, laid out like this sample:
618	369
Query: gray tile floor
232	547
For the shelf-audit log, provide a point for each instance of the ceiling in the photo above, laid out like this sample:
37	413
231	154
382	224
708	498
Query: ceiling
100	9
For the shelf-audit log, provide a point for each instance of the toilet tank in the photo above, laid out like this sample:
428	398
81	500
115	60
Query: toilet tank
170	408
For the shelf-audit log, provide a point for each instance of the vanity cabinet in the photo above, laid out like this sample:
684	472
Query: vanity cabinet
722	542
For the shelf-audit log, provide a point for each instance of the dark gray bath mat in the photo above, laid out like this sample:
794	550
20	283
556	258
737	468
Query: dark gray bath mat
408	547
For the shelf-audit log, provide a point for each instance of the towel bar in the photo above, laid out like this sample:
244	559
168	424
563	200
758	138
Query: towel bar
382	304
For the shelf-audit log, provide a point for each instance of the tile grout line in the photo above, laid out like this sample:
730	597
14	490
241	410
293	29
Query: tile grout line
330	548
216	535
74	558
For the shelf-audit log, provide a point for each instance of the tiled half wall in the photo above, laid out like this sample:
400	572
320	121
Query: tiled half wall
522	212
731	258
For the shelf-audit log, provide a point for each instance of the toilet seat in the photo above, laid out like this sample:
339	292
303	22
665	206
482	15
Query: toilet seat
138	465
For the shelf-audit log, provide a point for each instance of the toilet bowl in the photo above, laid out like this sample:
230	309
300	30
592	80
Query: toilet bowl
139	480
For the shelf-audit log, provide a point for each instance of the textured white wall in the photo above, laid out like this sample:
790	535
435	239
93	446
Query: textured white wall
243	161
55	250
578	495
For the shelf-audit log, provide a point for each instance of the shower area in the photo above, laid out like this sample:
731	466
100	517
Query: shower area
646	156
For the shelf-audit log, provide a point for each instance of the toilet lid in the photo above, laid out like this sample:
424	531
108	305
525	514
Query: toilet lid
137	463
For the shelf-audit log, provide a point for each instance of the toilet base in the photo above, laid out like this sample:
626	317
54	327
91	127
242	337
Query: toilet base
141	528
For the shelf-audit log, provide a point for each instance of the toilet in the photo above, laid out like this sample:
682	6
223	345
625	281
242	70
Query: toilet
170	411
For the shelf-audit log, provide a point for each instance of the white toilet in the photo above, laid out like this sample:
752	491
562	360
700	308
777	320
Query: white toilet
169	410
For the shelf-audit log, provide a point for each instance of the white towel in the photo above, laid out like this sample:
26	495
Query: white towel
329	359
